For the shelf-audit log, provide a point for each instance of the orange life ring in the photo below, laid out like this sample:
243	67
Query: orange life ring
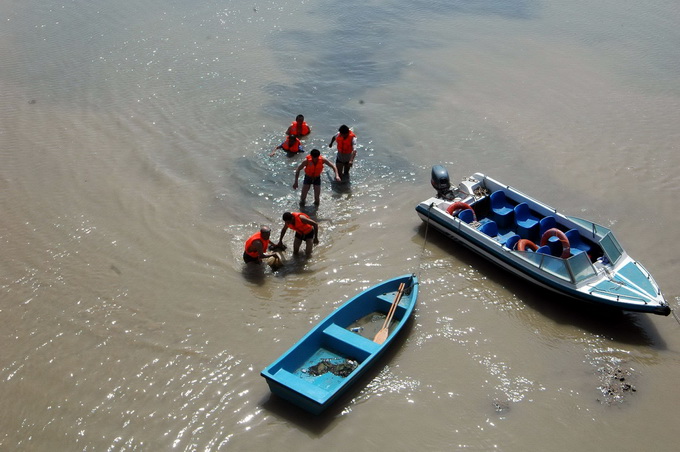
460	206
554	232
523	244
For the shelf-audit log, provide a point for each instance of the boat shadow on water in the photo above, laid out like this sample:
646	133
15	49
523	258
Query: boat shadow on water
318	424
625	327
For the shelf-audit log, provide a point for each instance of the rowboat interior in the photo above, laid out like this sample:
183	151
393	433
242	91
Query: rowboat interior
349	337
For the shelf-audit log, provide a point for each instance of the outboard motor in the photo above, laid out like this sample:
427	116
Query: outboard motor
441	183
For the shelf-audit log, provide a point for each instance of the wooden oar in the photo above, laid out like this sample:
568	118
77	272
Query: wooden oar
382	334
393	308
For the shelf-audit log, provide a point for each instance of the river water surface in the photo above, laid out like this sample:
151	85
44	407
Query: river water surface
135	140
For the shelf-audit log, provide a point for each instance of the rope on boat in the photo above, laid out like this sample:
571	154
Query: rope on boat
480	192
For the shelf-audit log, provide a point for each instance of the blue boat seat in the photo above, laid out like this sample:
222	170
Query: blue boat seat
503	237
546	223
489	228
512	241
555	246
350	344
527	224
577	245
385	303
502	210
467	215
545	249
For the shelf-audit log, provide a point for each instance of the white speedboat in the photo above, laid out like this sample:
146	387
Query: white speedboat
568	255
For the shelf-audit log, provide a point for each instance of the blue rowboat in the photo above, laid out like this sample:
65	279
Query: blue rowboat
567	255
331	357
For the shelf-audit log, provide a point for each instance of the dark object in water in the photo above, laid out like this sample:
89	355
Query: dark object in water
275	262
341	369
277	247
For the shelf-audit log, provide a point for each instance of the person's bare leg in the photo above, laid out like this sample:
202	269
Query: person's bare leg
317	194
303	194
341	169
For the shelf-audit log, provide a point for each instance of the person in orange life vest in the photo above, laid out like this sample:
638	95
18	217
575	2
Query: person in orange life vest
305	228
292	144
299	127
313	166
256	246
346	146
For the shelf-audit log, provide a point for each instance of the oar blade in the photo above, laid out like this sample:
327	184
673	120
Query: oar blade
384	331
381	336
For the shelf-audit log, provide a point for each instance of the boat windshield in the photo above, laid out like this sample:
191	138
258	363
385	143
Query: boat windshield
596	229
554	265
611	248
581	267
574	270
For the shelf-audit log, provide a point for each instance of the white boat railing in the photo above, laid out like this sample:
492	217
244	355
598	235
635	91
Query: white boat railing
619	297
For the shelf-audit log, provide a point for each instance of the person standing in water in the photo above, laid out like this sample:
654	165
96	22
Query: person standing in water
305	228
299	127
313	166
346	146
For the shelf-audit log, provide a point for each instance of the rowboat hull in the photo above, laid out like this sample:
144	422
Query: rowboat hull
600	272
337	342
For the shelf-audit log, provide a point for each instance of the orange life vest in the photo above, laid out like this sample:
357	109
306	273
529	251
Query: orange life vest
295	147
298	225
249	242
298	129
313	170
345	144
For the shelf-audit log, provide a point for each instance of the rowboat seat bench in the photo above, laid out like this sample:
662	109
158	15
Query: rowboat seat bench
348	343
384	303
299	385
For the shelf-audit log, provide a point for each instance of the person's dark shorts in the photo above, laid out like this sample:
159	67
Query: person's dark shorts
247	258
305	237
309	180
343	157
